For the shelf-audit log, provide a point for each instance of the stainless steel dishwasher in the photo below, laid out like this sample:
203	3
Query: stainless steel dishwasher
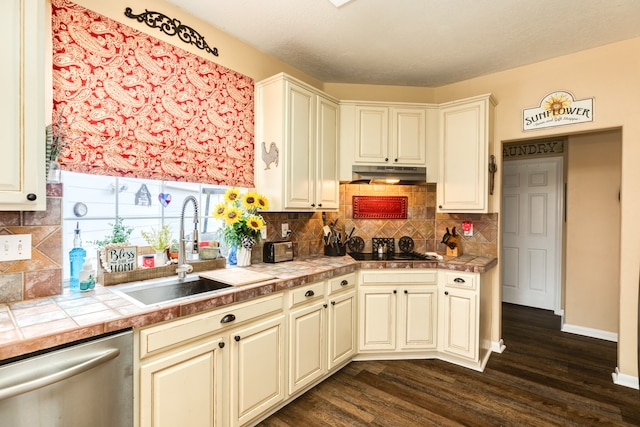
86	383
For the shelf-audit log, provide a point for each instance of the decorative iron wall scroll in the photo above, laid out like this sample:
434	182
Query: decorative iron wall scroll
172	27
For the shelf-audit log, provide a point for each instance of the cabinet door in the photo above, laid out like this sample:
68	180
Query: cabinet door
372	134
460	323
183	387
257	369
462	185
22	166
418	318
300	140
409	141
342	328
327	183
377	318
307	345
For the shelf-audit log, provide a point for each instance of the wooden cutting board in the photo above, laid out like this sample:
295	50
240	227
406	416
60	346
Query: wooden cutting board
236	276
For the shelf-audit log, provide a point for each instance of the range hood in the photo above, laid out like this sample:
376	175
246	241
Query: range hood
407	175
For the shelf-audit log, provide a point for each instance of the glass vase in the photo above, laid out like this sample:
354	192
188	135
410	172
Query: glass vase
231	257
53	172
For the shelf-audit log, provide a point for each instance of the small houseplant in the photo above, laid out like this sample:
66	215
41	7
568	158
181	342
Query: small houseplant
159	240
242	222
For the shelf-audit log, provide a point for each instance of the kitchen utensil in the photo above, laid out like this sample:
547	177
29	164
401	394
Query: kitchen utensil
327	230
355	244
350	234
405	244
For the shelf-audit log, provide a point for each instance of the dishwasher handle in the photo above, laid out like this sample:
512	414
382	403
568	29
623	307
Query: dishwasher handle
37	383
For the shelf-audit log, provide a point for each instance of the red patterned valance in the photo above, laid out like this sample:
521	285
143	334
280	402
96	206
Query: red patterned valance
136	106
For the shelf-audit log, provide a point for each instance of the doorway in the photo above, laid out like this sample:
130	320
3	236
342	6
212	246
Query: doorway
532	202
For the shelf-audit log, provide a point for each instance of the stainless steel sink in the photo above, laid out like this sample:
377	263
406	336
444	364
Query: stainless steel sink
168	289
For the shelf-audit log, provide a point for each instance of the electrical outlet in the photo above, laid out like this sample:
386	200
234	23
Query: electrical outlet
15	247
284	230
263	233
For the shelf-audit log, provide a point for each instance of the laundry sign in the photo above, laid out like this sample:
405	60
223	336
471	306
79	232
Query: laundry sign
557	109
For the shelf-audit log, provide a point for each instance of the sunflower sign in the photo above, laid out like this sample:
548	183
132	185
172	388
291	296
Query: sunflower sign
557	109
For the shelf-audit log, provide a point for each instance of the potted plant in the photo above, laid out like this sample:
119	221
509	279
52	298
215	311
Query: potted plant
173	249
159	240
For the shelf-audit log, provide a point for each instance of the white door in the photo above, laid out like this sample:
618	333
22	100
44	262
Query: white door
531	232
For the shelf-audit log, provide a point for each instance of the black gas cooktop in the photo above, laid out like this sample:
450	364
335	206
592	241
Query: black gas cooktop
392	256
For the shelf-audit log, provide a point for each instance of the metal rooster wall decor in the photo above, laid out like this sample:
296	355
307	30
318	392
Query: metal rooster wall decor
270	156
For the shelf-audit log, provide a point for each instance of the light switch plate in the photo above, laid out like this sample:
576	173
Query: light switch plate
14	247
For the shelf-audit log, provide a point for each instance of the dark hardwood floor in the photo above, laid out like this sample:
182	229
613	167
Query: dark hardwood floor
544	378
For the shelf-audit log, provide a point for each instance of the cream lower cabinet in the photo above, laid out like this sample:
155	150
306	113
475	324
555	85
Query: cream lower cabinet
220	368
183	387
342	321
322	325
257	369
398	311
425	313
460	320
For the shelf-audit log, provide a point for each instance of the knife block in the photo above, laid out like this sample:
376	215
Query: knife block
457	251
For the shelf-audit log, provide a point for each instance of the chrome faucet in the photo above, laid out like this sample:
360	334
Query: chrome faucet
183	267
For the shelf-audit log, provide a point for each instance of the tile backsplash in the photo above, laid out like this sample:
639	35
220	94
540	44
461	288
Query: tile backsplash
423	224
41	276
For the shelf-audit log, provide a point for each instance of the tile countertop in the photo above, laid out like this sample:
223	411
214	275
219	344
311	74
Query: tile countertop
39	324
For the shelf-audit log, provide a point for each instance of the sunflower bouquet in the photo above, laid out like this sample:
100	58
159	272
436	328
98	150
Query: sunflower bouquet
242	222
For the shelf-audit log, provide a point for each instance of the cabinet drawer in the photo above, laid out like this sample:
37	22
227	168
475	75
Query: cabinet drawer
399	276
339	283
163	336
307	293
455	279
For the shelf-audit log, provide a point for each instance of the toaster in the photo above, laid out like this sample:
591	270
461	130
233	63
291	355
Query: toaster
277	251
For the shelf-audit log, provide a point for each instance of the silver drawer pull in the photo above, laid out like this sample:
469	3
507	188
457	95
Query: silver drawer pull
458	280
228	318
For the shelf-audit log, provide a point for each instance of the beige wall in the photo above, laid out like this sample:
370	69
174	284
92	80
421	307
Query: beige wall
592	274
609	74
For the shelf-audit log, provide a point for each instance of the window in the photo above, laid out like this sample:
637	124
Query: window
93	202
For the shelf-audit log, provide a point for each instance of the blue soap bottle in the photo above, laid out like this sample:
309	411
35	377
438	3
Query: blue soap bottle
77	256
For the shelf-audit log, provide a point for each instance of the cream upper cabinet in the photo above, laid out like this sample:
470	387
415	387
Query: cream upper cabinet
377	133
390	135
296	145
22	167
466	134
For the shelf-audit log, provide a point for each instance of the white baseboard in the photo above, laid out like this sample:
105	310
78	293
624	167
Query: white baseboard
498	346
589	332
625	380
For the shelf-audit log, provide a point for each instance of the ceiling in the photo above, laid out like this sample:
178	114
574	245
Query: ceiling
418	42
